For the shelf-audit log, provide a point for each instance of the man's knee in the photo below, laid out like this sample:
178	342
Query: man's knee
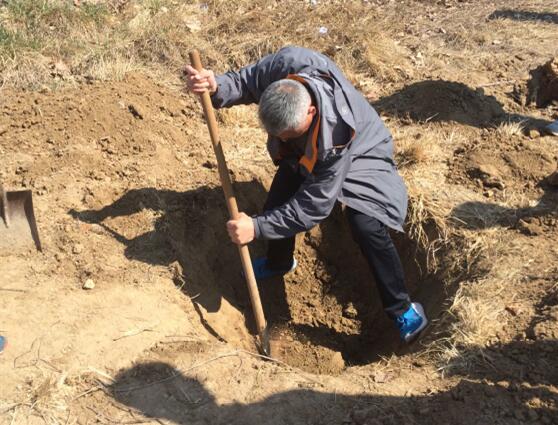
369	231
285	184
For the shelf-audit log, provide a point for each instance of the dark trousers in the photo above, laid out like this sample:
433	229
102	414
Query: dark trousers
371	235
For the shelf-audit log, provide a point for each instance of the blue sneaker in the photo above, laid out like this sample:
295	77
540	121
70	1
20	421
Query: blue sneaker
3	343
262	271
411	322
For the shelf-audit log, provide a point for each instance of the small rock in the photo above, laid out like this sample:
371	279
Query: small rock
350	311
194	26
136	111
77	249
533	133
88	284
503	384
536	403
490	176
512	310
97	229
380	377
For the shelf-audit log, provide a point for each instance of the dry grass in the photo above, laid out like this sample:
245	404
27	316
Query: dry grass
474	317
421	154
45	397
507	130
113	68
95	39
472	256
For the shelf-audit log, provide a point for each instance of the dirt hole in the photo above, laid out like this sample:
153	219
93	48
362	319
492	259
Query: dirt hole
323	317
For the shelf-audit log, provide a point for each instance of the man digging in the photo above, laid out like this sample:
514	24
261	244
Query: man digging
329	145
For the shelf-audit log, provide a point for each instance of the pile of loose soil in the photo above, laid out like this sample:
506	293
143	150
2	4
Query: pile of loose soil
442	101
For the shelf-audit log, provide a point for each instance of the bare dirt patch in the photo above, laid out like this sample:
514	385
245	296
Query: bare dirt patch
127	196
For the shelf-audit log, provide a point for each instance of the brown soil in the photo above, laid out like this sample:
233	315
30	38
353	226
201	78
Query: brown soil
543	85
127	195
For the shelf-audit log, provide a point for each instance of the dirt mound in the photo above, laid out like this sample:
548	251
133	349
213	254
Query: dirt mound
543	85
516	166
440	100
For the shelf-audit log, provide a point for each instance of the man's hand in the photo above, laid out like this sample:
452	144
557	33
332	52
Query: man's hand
241	231
199	82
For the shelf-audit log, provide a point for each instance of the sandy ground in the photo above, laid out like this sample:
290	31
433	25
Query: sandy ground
127	196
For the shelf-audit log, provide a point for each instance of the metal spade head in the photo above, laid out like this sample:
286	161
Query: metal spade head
19	227
264	346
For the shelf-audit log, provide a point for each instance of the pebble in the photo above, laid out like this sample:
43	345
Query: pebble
350	311
78	249
88	284
533	133
97	229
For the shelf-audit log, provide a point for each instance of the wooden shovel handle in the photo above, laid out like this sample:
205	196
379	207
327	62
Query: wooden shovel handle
231	204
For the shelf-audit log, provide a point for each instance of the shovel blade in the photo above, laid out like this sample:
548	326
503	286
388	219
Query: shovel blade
18	227
263	344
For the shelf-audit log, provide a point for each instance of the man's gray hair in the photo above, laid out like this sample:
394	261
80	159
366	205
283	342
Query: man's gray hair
283	106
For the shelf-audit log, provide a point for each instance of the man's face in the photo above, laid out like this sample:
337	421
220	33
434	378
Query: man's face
297	132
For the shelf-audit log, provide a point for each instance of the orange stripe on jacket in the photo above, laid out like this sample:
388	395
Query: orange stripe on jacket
305	161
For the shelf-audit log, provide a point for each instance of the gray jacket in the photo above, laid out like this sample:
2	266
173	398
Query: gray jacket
358	171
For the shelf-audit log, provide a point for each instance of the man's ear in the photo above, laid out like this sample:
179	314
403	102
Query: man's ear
312	110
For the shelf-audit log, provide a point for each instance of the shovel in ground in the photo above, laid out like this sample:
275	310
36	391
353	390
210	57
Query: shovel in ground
263	345
18	227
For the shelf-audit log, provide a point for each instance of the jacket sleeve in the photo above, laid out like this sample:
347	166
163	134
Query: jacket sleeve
312	203
246	86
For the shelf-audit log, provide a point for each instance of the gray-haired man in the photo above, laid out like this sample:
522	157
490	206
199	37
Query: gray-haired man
329	145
